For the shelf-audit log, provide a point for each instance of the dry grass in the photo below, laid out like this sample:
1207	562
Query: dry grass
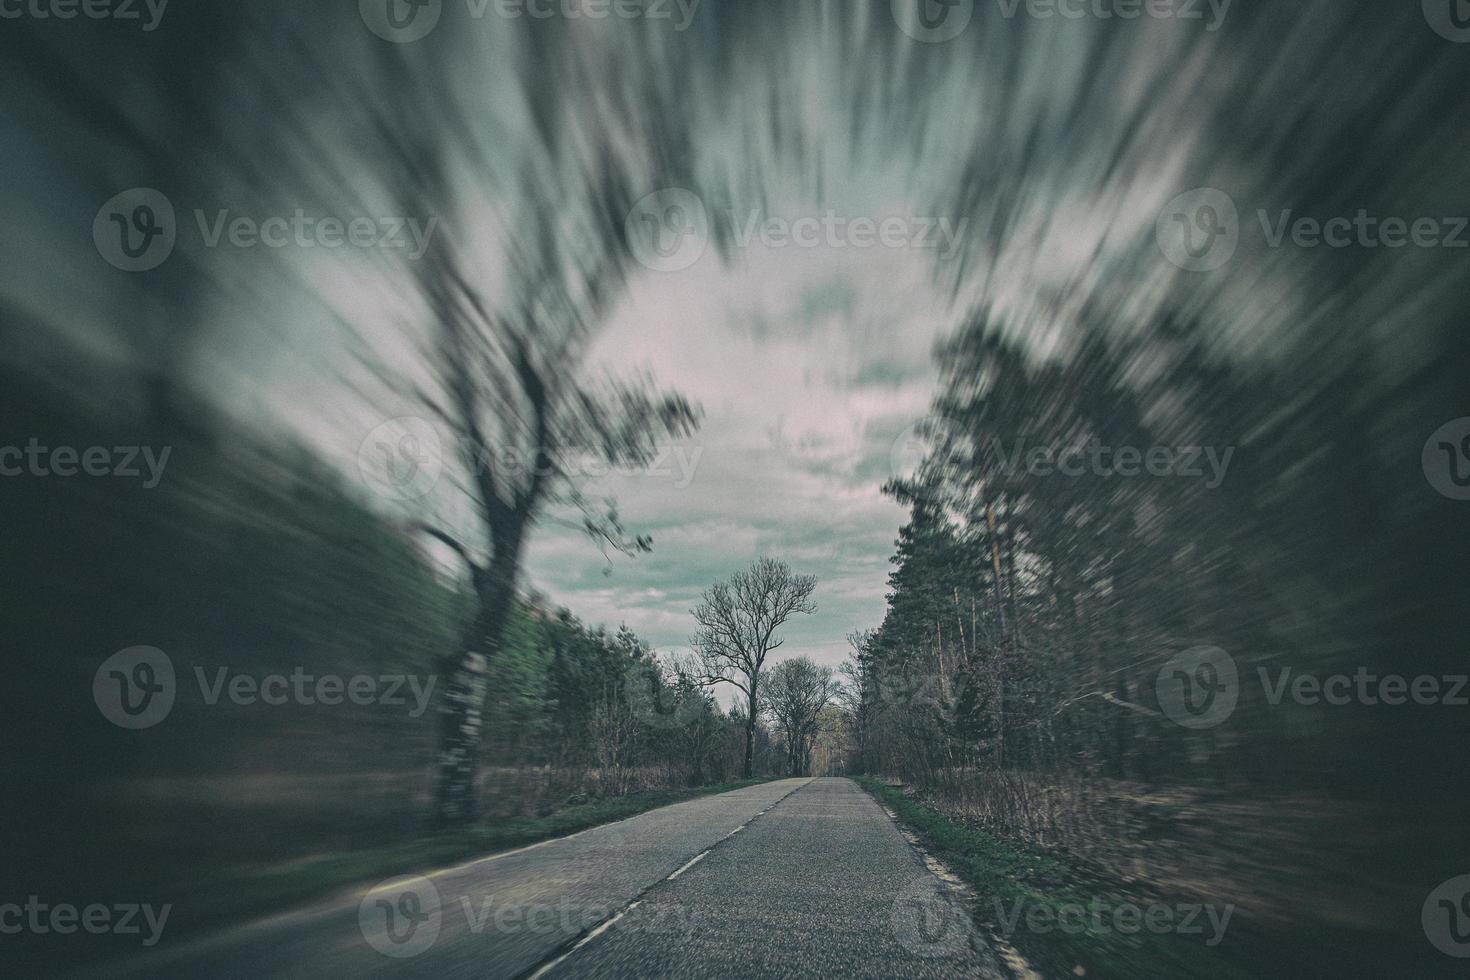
1286	860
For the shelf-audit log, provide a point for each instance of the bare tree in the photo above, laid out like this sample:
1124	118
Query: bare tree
737	622
504	372
795	694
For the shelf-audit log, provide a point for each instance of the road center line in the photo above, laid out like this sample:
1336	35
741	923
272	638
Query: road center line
611	920
692	862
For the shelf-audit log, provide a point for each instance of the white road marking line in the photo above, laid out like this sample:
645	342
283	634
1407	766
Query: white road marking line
604	927
475	862
520	850
691	863
610	922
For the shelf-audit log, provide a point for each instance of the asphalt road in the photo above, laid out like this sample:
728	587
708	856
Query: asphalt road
792	878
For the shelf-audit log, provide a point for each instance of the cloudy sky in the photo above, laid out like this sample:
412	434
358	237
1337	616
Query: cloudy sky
812	364
1055	149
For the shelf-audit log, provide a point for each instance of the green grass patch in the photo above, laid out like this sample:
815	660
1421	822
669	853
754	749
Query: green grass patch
1031	897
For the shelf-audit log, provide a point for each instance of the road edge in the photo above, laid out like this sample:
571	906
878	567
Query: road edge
1007	961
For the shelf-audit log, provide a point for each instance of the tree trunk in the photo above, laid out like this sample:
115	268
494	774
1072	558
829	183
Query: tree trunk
462	721
459	740
750	734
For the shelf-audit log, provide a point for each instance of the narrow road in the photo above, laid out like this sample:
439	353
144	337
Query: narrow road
823	885
790	878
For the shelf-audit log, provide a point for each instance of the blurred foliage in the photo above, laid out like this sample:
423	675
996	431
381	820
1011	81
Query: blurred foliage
1041	606
254	556
1015	678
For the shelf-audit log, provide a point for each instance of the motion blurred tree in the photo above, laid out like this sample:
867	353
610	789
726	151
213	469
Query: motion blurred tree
505	373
